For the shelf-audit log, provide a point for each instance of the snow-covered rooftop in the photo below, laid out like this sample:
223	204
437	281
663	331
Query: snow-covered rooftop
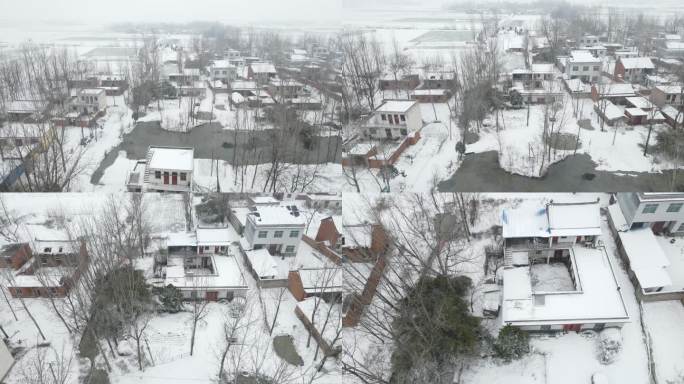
262	263
640	102
611	111
263	68
616	90
670	89
396	106
358	235
91	91
170	158
429	92
553	219
646	257
574	219
637	63
277	215
227	274
673	113
318	280
599	300
634	112
222	64
581	56
217	236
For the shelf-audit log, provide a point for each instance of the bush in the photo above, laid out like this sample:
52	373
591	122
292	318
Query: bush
512	343
171	299
610	345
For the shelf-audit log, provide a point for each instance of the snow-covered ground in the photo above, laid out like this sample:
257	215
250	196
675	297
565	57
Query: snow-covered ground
664	323
520	145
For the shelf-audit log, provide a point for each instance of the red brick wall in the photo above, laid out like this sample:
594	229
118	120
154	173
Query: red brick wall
21	256
294	284
327	252
313	331
619	72
327	231
379	241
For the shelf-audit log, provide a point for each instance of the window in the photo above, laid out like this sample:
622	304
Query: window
18	142
294	233
596	67
278	234
383	117
389	118
58	259
258	246
585	68
157	174
262	234
575	68
47	250
182	176
545	328
403	131
650	208
674	207
289	249
403	117
44	260
681	228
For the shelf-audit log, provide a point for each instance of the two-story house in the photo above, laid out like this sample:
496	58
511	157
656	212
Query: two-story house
663	212
633	70
556	276
668	94
583	65
275	228
262	73
394	119
90	101
223	70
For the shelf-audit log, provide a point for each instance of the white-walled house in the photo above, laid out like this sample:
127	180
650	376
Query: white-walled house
169	169
556	276
224	71
583	65
275	228
394	119
90	101
663	212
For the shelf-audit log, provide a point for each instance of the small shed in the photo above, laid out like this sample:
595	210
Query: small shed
636	116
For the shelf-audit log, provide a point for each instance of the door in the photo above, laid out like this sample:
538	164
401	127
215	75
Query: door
658	226
558	253
174	178
216	249
572	327
212	296
166	177
388	132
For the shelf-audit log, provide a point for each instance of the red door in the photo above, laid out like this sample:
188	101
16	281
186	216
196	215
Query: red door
212	296
658	226
174	178
572	327
166	177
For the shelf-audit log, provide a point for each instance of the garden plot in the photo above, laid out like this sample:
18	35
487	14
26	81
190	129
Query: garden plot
552	277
